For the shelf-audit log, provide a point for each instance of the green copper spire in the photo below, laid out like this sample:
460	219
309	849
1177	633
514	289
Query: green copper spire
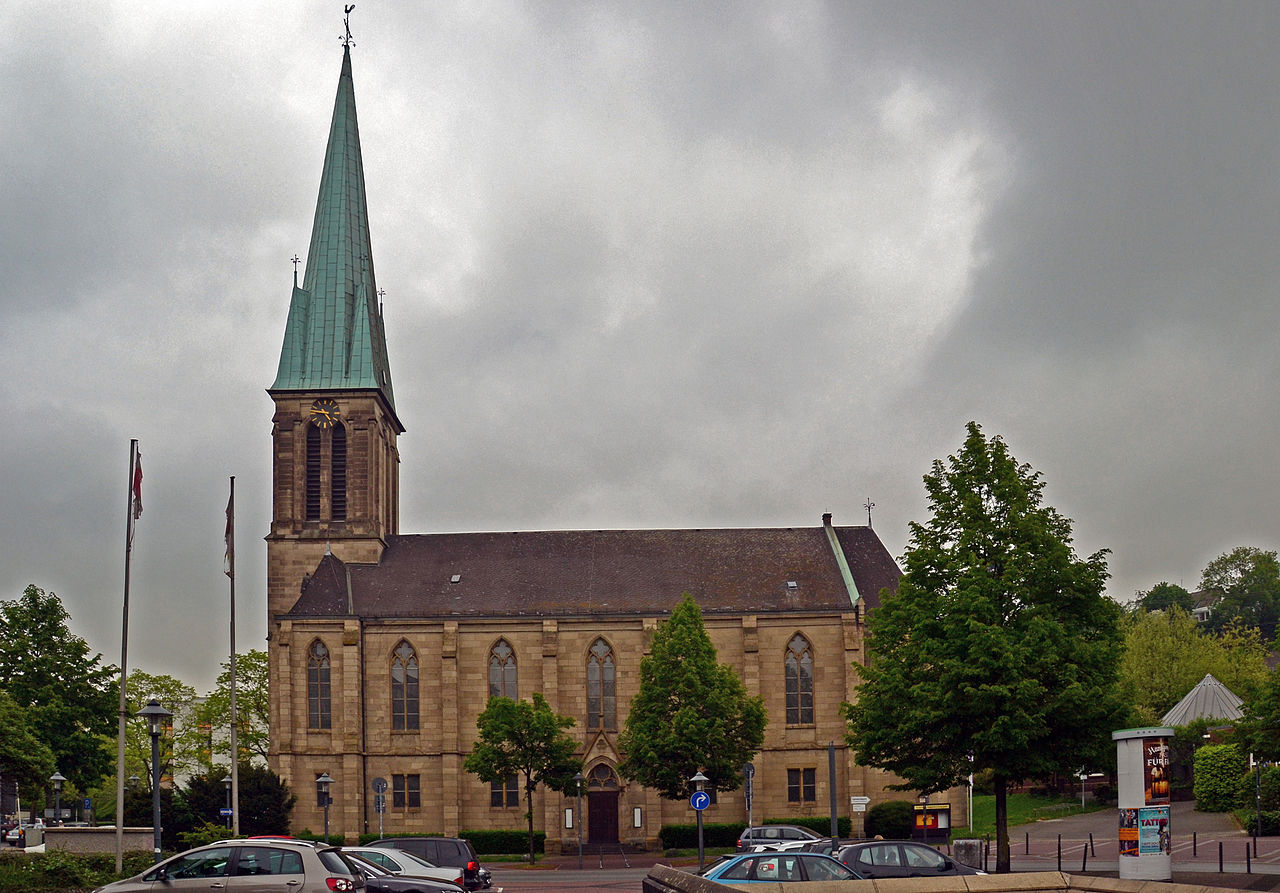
334	338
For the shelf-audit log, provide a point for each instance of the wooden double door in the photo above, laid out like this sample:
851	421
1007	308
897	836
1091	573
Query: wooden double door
602	816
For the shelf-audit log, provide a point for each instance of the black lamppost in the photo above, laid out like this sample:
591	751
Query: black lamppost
699	780
57	780
324	781
578	779
226	782
156	715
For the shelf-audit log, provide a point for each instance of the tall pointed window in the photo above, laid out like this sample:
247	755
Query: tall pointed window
338	474
319	709
602	697
404	688
799	671
502	671
314	438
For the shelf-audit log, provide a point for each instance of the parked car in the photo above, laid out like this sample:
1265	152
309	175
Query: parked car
775	867
774	836
446	852
405	864
900	858
378	880
275	866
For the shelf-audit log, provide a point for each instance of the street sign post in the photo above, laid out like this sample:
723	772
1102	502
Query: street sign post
379	786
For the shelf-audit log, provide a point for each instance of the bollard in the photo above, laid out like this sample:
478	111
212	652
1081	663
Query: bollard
1026	843
1248	862
1059	852
1092	851
1193	845
1219	857
1084	860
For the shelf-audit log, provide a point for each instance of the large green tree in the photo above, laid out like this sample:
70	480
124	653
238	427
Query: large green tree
24	758
1164	596
528	740
253	708
1246	583
181	746
69	696
1167	653
998	651
689	713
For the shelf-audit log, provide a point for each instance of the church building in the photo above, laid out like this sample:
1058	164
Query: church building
384	646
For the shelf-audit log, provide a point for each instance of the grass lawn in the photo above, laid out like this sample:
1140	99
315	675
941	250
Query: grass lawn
1023	809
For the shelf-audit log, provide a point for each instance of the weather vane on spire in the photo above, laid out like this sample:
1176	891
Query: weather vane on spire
346	22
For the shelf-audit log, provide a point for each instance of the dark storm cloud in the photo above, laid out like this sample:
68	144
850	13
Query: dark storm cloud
646	265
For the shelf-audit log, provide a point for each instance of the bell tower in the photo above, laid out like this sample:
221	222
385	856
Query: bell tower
335	466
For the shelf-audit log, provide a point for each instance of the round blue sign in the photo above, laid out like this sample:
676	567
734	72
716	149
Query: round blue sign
700	800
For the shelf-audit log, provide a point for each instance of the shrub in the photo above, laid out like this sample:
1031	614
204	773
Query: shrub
1270	823
684	837
489	843
1218	771
892	819
1104	793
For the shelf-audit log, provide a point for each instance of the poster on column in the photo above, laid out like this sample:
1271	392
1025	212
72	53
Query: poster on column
1129	832
1155	770
1153	831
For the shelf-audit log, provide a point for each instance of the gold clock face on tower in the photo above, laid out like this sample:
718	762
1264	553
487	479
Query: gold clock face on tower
324	413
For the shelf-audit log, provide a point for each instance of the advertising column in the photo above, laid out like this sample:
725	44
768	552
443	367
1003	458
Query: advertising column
1142	764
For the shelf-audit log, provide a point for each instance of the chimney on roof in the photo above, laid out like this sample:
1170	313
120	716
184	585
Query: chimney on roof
826	519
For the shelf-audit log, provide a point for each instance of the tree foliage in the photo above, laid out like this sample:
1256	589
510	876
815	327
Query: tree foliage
181	744
1218	772
1259	730
525	739
265	800
70	699
253	708
1163	596
1167	653
690	713
24	758
1246	585
999	650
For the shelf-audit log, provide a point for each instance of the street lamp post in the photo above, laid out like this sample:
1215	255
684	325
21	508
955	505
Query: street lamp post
578	779
699	780
57	779
226	783
324	781
156	715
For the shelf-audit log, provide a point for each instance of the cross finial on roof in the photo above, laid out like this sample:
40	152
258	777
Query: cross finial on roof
869	505
296	261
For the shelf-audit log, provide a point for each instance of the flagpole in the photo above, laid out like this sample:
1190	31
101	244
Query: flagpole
235	721
133	489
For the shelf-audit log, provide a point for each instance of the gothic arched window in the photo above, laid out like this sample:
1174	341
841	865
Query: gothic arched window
319	710
404	688
338	474
799	681
602	695
502	670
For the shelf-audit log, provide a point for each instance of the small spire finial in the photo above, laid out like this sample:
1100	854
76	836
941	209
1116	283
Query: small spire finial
346	22
296	260
381	294
869	505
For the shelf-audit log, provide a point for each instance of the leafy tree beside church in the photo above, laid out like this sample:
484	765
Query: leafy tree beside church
690	713
999	650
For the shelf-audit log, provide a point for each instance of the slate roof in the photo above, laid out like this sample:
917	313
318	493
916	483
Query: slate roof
334	337
558	573
1209	699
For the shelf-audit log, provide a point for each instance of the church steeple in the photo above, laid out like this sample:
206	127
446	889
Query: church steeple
334	337
335	473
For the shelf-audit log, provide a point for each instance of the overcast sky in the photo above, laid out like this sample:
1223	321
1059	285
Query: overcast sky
646	265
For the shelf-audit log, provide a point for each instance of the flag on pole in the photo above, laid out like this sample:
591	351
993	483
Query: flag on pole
229	557
137	486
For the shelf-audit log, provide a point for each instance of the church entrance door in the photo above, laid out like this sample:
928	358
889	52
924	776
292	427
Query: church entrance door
602	816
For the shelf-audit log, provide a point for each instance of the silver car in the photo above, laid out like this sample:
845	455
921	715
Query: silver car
248	866
406	864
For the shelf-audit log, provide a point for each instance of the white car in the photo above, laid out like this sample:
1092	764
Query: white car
406	864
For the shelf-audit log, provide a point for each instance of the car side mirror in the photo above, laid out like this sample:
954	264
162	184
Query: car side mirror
947	865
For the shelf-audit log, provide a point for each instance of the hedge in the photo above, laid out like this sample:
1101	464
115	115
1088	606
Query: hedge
1218	770
486	843
58	870
893	819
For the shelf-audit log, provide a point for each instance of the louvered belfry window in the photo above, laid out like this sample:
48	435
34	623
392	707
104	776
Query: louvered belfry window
314	438
338	476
